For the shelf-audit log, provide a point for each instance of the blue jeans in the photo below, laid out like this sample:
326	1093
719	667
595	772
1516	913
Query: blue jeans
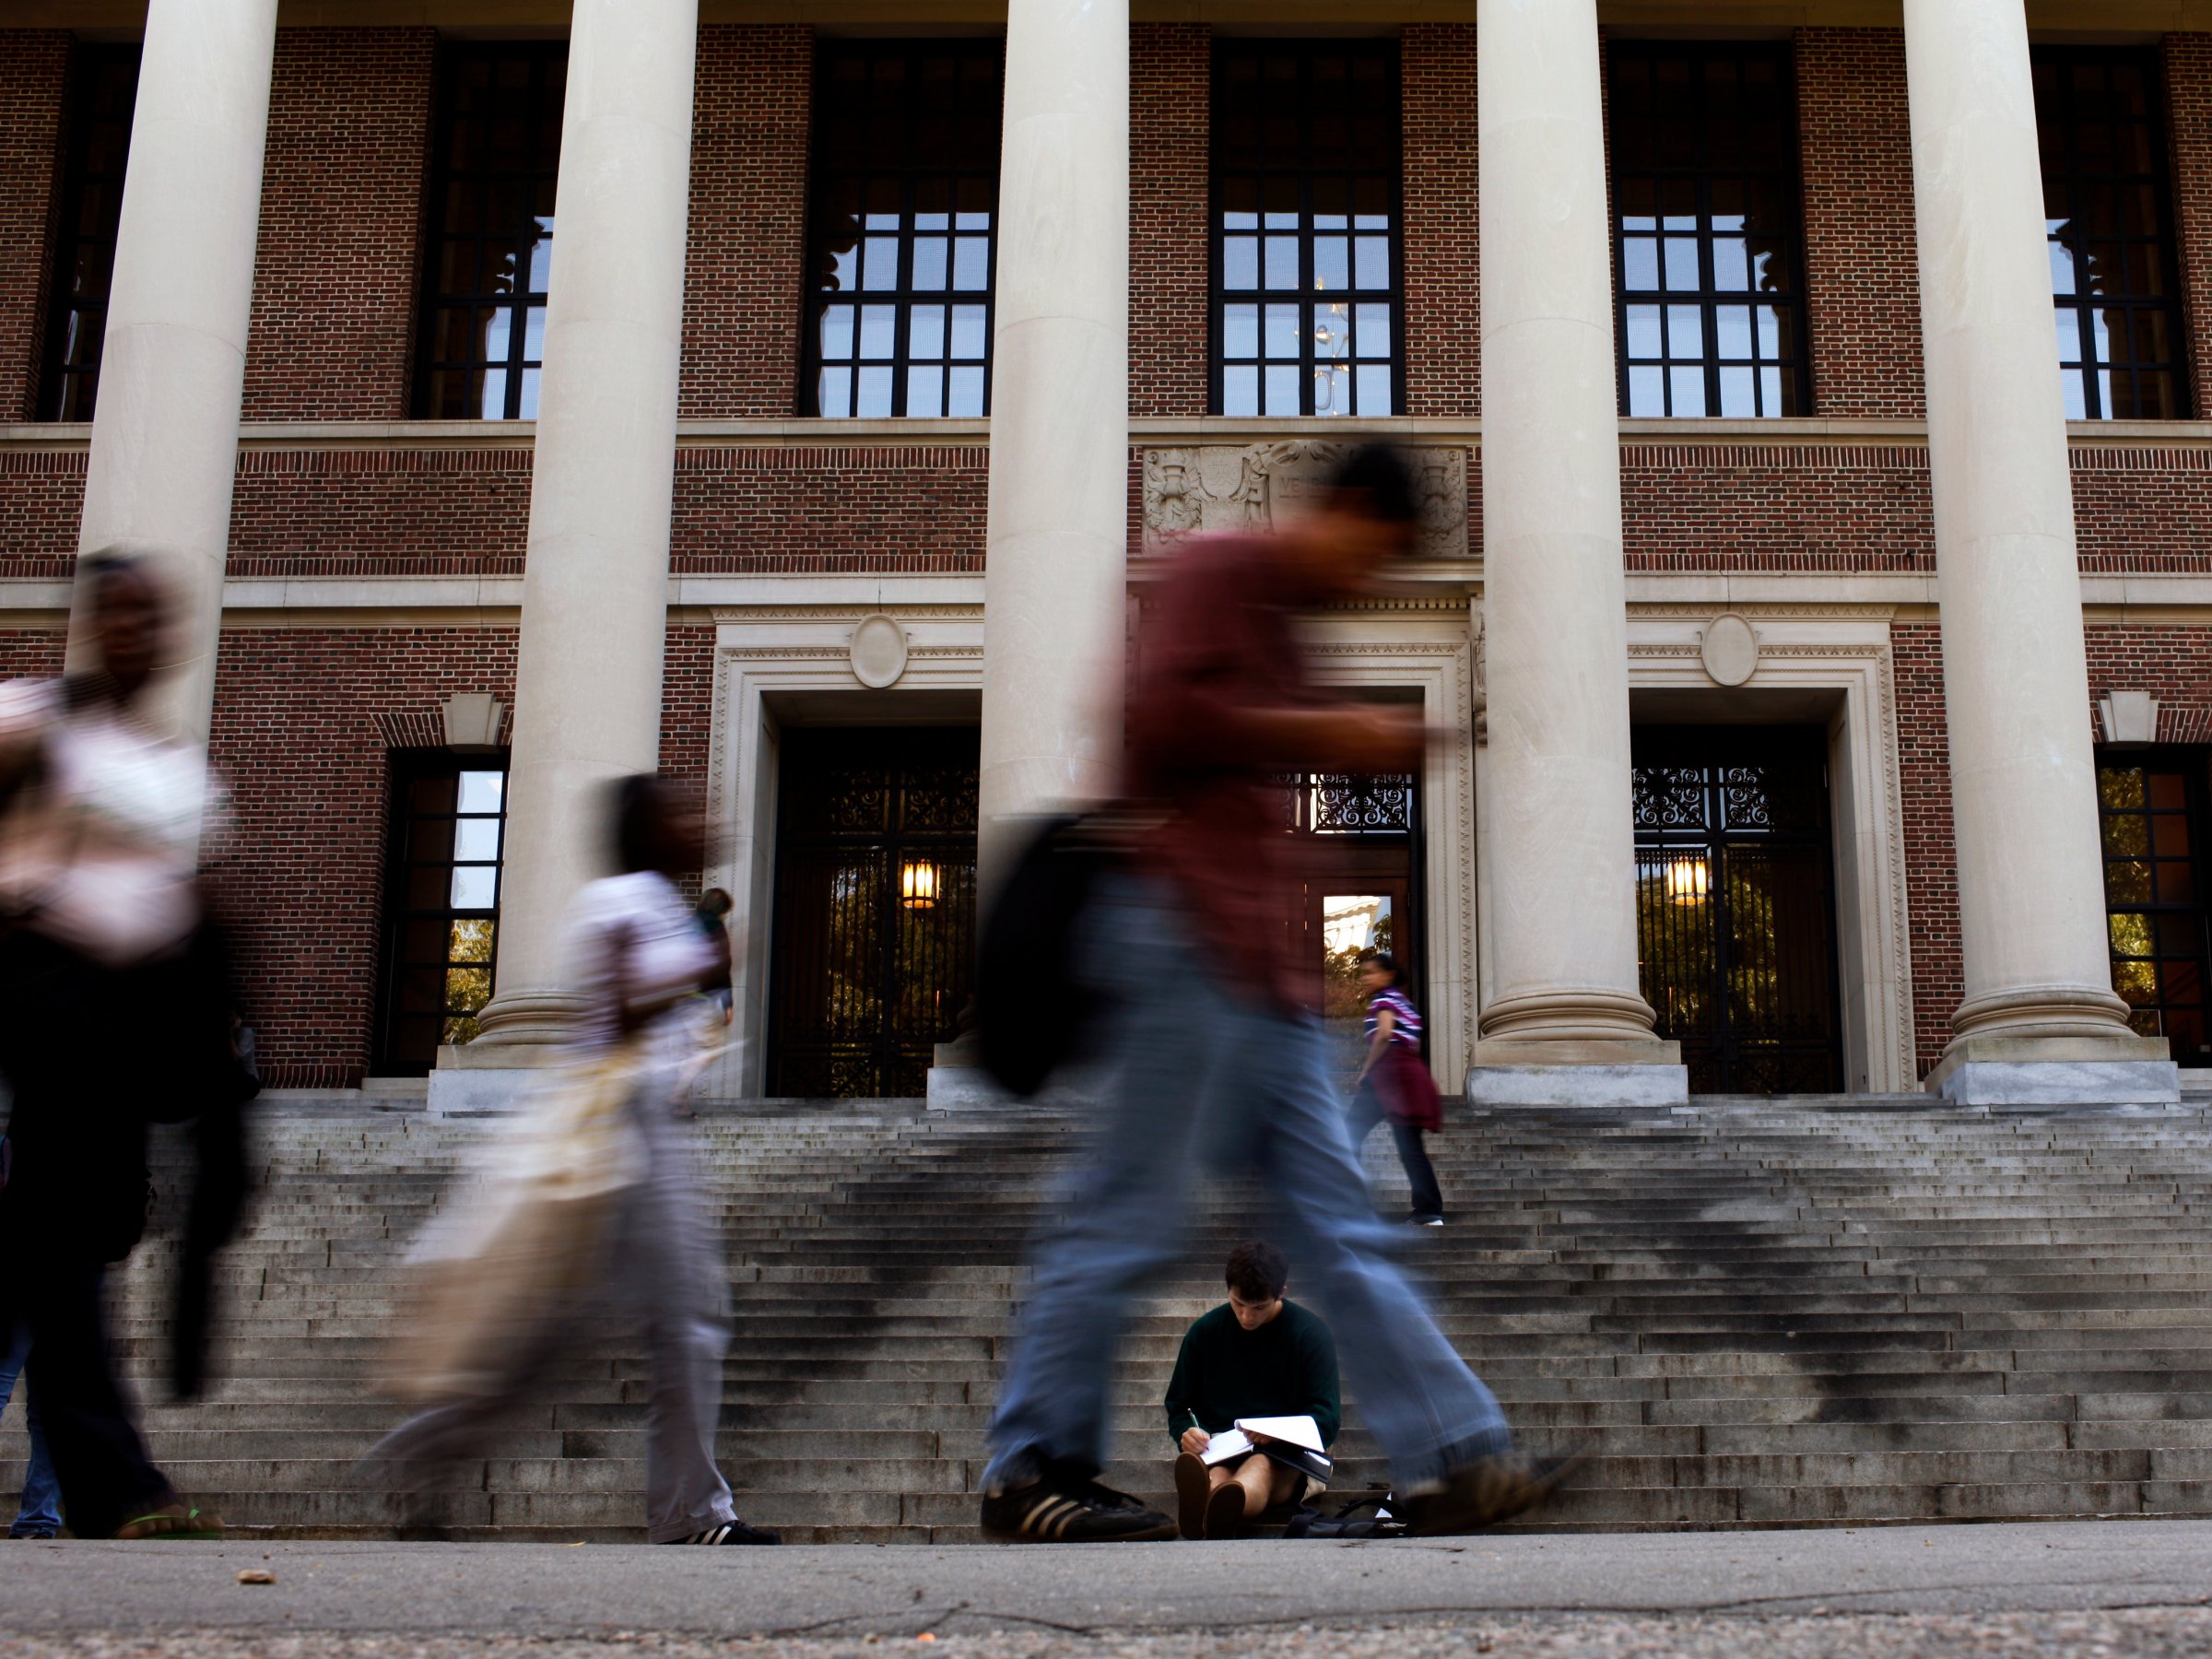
1203	1073
41	1510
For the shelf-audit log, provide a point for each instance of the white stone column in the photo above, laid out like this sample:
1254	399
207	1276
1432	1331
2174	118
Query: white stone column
1055	581
173	358
595	584
2038	998
1566	1024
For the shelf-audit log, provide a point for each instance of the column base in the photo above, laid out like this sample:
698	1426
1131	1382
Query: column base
957	1078
2028	1072
1597	1072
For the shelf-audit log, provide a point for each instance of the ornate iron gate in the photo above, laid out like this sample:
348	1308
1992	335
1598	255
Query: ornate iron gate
1735	907
875	918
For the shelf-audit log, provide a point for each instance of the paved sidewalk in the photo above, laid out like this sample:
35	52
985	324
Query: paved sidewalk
2137	1586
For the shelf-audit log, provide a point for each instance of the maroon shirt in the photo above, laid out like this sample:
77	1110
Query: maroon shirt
1218	645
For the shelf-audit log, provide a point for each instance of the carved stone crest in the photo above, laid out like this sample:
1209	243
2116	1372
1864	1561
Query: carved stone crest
1225	487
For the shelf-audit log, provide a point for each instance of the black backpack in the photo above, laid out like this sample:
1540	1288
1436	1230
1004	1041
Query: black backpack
1349	1521
1031	1013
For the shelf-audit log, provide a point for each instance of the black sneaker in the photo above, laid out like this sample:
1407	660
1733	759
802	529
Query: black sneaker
1062	1508
1485	1493
731	1532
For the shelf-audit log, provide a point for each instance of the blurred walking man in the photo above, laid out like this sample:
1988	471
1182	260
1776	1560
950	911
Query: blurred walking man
1214	1057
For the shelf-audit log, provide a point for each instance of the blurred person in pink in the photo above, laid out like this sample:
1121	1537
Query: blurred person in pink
114	1008
636	959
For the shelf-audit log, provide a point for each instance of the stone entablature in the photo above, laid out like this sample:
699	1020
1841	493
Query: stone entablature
1190	490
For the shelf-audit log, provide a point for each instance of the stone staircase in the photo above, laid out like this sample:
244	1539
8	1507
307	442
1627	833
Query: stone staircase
1749	1312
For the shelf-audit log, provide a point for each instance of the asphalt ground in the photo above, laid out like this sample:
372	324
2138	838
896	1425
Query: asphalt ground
2125	1587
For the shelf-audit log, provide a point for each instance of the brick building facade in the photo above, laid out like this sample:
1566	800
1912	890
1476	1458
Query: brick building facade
376	557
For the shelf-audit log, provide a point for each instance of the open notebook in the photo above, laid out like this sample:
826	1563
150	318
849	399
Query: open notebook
1295	1440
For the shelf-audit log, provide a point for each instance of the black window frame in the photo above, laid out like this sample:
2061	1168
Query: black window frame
534	188
2178	929
2053	67
1225	163
1794	359
60	379
396	958
972	171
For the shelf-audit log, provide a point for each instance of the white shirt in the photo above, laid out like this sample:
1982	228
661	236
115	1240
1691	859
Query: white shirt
638	930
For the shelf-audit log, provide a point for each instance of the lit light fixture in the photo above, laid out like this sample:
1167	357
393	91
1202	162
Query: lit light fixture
918	885
1686	881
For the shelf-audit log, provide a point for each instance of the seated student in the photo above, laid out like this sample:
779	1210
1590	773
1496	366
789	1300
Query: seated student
1258	1356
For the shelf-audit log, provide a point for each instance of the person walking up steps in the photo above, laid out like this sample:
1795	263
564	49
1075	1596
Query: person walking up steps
1394	1084
1212	1058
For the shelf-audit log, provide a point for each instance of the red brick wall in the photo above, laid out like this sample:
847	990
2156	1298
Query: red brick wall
299	737
31	652
806	509
1923	757
41	499
743	262
301	874
1443	325
2188	61
1751	507
2174	664
1863	282
373	511
34	77
339	255
2141	509
1170	82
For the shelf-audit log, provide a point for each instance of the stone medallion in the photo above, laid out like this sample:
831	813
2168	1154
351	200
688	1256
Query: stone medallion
878	651
1730	649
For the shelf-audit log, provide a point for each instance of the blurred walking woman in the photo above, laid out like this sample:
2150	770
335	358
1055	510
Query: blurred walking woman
1394	1084
109	1012
636	959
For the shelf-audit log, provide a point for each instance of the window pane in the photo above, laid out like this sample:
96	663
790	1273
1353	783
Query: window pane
1240	331
1240	390
2105	190
903	191
929	262
1374	335
872	392
1332	264
1374	390
1282	389
496	151
1241	262
477	840
924	391
473	886
1643	336
969	334
1373	268
925	333
837	332
1282	331
1706	210
1282	262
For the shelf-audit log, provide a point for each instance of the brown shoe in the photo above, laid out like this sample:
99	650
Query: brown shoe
1485	1493
1225	1512
1190	1496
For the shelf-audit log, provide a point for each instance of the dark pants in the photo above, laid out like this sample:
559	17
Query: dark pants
1366	1112
74	1200
105	1475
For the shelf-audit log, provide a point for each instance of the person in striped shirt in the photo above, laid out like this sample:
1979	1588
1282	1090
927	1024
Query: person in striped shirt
1392	1083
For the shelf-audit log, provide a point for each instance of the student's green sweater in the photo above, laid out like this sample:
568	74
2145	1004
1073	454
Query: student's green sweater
1287	1368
